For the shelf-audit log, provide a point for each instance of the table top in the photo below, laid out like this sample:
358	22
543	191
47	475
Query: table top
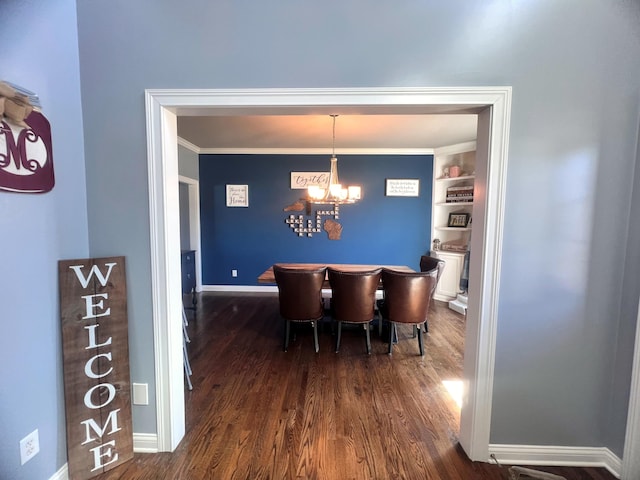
268	277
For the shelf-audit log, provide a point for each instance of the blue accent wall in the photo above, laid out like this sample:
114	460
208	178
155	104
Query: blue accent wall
376	230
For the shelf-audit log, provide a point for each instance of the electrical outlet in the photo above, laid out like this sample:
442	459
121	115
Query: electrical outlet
29	447
234	273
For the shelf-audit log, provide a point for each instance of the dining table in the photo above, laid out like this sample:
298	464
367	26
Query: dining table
268	277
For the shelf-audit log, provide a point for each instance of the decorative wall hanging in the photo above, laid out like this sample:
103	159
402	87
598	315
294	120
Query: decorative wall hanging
402	187
95	355
26	158
305	227
305	180
237	195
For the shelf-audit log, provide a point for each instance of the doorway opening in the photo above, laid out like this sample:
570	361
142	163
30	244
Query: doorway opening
491	104
190	226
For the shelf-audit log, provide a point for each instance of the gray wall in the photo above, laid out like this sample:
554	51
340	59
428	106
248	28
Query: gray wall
38	50
188	163
188	166
185	240
563	327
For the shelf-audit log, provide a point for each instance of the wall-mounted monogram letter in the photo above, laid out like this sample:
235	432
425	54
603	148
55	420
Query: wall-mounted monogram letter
26	159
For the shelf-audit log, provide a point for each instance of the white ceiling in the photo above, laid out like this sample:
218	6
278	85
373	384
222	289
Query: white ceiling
312	131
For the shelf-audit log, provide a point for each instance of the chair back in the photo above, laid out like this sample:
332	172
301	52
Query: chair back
300	292
407	295
433	265
353	296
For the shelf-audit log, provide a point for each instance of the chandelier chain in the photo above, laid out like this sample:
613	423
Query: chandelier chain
334	135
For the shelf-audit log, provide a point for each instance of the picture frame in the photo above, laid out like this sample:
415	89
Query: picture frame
458	220
402	187
304	180
237	195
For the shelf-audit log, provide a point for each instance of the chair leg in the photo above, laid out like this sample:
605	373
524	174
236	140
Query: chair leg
420	344
339	336
315	336
425	329
287	327
392	329
366	329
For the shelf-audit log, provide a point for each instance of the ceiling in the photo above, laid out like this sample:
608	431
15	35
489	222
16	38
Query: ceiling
314	132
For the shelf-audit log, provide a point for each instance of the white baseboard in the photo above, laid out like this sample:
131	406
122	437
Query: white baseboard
557	456
326	292
145	442
62	474
142	443
239	288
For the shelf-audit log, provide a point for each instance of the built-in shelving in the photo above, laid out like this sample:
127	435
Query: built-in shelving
462	156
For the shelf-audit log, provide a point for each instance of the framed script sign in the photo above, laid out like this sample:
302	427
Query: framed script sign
302	180
402	187
237	195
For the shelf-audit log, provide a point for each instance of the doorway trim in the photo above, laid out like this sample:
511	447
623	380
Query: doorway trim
194	224
493	104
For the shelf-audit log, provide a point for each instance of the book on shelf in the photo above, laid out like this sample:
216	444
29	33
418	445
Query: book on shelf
463	189
462	193
453	246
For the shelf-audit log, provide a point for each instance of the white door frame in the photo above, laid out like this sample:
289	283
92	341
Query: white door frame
162	109
630	457
194	224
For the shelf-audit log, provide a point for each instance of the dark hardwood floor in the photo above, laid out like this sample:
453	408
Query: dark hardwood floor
256	412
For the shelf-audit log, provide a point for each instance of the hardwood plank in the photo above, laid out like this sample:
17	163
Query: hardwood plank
257	412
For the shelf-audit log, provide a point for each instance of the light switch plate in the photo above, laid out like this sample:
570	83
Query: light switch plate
141	394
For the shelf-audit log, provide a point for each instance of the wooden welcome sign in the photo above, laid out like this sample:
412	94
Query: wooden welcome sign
95	348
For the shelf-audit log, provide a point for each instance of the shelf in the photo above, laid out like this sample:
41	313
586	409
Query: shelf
449	252
453	204
454	229
453	179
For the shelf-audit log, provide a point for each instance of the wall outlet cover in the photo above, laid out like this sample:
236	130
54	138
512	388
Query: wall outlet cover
29	447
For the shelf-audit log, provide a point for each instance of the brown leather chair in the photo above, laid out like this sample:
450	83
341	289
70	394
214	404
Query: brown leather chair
353	299
435	266
407	296
300	295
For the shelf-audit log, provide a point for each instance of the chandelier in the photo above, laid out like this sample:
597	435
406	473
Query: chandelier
334	193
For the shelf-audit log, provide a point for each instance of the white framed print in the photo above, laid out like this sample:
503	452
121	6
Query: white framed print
402	187
237	195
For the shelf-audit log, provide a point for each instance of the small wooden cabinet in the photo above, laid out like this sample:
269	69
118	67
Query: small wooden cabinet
449	284
188	264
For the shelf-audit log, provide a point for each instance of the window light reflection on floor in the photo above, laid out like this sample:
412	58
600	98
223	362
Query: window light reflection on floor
454	387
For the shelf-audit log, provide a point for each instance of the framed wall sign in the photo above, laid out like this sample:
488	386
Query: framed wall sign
302	180
237	195
402	187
